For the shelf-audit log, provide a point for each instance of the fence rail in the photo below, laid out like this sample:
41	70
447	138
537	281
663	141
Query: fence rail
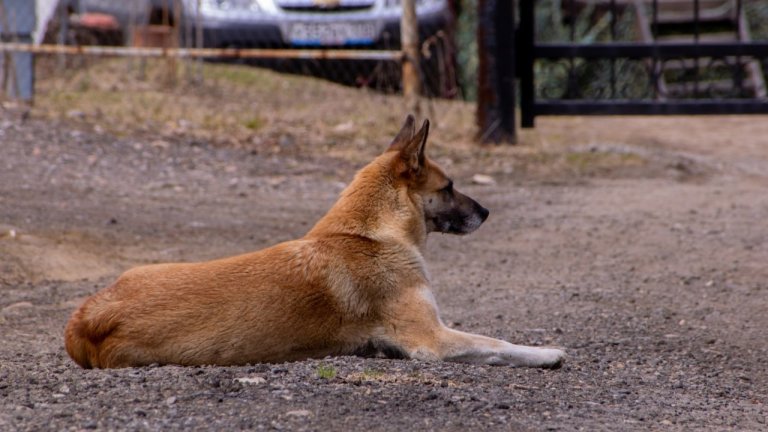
661	50
222	53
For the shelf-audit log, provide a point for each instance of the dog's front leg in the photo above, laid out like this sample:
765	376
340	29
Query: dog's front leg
417	331
471	348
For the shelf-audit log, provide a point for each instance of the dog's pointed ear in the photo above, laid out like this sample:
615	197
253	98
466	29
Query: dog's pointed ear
404	136
414	153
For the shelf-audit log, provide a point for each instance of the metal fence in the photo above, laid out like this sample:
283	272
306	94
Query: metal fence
642	57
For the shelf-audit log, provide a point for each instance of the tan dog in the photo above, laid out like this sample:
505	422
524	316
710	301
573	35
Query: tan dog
357	283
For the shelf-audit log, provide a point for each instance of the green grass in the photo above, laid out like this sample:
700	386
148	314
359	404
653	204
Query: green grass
325	371
254	123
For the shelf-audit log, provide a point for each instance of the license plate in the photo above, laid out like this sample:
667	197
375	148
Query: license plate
318	34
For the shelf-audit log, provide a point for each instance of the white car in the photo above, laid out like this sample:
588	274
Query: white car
278	23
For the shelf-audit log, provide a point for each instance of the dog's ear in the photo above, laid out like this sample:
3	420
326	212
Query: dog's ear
404	136
413	154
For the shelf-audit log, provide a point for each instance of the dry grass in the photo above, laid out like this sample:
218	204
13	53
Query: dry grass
238	105
280	113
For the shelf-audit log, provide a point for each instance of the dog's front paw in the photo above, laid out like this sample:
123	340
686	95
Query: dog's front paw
528	356
552	358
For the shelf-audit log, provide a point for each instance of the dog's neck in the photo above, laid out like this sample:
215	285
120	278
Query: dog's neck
376	206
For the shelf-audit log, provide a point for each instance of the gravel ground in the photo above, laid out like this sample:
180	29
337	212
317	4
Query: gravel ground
651	275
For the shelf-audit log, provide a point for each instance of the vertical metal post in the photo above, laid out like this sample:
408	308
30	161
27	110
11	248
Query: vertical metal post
496	71
740	68
572	90
409	40
25	72
657	67
525	59
696	36
17	22
613	39
505	32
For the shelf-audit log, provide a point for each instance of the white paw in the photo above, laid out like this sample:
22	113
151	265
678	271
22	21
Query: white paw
551	358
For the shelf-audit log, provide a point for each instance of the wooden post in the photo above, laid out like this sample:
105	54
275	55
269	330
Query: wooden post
409	40
198	42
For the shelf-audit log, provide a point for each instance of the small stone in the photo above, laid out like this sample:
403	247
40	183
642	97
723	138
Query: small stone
299	413
483	179
344	127
160	144
286	141
431	396
251	380
75	114
171	400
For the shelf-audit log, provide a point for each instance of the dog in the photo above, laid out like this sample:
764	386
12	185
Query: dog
355	284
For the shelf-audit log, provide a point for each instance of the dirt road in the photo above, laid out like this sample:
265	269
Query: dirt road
640	245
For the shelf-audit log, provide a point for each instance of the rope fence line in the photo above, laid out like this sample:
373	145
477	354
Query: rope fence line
226	53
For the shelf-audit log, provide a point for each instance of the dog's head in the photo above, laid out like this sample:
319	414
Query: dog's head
445	209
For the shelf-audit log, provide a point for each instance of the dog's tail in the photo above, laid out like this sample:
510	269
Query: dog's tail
88	327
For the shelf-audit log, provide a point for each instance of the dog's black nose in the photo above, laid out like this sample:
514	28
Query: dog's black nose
484	212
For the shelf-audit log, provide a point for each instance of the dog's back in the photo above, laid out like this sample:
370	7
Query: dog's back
264	306
306	298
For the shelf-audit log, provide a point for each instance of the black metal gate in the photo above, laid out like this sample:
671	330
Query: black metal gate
686	57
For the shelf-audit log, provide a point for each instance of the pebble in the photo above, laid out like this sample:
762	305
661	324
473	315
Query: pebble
299	413
251	380
482	179
76	114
